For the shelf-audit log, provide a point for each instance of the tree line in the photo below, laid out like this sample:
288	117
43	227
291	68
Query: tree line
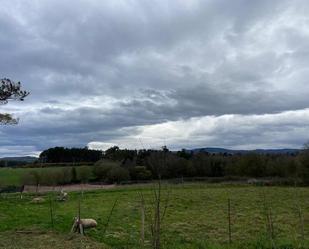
117	165
169	164
71	155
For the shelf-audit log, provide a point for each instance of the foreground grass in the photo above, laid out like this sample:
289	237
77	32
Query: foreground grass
45	240
196	216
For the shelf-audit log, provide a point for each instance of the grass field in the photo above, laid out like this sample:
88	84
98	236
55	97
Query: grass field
196	216
13	176
45	240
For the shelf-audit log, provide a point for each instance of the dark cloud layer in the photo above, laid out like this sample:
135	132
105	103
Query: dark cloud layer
102	72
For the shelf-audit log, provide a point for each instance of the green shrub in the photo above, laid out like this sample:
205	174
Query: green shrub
140	173
101	172
118	174
84	174
63	176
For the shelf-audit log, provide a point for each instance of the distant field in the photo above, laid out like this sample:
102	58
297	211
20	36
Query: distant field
13	176
196	216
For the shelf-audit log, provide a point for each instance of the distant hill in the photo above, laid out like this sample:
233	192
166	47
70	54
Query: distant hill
28	159
258	151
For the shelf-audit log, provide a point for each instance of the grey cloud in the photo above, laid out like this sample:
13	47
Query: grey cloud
157	61
231	131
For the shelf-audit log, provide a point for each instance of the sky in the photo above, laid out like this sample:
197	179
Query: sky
143	74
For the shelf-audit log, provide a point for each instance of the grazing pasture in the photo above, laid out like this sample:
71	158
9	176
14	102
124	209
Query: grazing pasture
15	176
196	216
11	176
45	240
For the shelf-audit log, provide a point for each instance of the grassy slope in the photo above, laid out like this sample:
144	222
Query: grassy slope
196	215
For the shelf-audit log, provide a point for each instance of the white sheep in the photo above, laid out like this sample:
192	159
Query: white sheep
62	196
81	224
38	200
63	192
252	181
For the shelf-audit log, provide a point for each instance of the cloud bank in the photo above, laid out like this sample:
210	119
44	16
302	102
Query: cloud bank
182	73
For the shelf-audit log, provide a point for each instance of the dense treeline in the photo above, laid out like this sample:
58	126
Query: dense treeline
167	164
63	155
116	165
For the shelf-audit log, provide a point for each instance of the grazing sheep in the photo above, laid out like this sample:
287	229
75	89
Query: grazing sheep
80	224
252	181
62	196
38	200
63	193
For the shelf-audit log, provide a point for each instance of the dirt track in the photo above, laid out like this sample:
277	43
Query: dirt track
67	188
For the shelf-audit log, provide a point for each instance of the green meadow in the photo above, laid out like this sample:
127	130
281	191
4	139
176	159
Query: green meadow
196	217
14	176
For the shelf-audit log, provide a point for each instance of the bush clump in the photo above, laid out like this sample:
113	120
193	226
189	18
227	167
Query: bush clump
140	173
118	174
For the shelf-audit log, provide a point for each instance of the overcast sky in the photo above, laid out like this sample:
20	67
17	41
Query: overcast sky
184	73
